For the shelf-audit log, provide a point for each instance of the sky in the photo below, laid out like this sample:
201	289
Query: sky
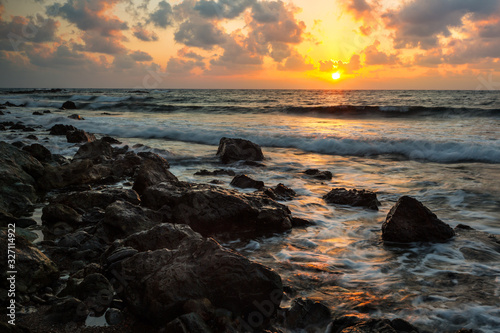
255	44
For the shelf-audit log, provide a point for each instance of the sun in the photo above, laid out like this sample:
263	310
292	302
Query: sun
336	76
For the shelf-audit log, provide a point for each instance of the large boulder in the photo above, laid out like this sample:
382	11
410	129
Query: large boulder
232	150
35	269
18	173
79	136
79	172
55	213
154	170
39	152
69	105
361	198
213	210
86	200
125	219
98	151
165	276
280	192
410	221
243	181
60	129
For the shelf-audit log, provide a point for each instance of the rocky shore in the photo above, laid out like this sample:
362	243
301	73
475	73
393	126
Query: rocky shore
130	246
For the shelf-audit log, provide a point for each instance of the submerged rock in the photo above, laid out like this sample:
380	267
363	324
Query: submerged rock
69	105
243	181
218	172
76	117
410	221
306	313
232	150
354	197
317	174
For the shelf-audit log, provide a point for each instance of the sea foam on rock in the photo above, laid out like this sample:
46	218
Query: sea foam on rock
410	221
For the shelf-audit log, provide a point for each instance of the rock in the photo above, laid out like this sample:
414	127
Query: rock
60	129
67	310
154	170
18	126
218	172
98	151
25	222
356	198
18	173
321	175
47	111
110	140
213	210
126	164
32	137
356	325
2	128
79	136
40	270
39	152
410	221
188	323
232	150
126	219
298	222
54	213
243	181
114	317
76	117
195	268
69	105
280	192
36	113
79	172
18	144
305	313
86	200
29	129
95	291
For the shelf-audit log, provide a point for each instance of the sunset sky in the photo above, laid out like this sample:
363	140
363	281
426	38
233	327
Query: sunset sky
327	44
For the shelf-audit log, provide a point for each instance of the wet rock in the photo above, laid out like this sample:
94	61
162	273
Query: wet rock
86	200
25	222
126	164
195	268
18	173
188	323
36	113
95	291
232	150
2	128
317	174
79	172
410	221
212	210
55	213
32	137
66	310
18	144
79	136
298	222
60	129
243	181
39	270
29	129
39	152
18	126
218	172
114	317
110	140
356	198
98	151
154	170
355	325
69	105
280	192
306	313
126	219
76	117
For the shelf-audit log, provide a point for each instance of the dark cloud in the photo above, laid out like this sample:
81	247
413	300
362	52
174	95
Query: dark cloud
163	15
187	53
89	15
22	30
350	67
95	42
358	7
61	57
376	57
141	56
419	23
181	66
236	54
200	34
223	8
144	35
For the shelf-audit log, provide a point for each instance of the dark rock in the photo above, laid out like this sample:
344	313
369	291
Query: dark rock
126	164
69	105
298	222
110	140
57	212
126	219
39	152
29	129
18	144
32	137
95	291
40	270
373	326
214	210
2	128
36	113
356	198
153	170
17	126
305	313
86	200
463	227
195	268
188	323
219	172
232	150
67	310
280	192
79	172
410	221
47	111
401	325
321	175
243	181
61	129
114	317
25	222
79	136
76	117
97	151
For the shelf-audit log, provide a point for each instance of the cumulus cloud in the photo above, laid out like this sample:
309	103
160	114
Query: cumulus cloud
162	17
94	42
358	7
62	56
419	23
202	34
144	35
21	30
141	56
350	67
296	62
181	66
376	57
223	8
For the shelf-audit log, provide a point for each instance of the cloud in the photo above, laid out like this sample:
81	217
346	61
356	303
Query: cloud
350	67
358	7
144	35
419	23
162	17
141	56
181	66
202	34
27	30
187	53
223	8
296	62
376	57
62	56
94	42
327	65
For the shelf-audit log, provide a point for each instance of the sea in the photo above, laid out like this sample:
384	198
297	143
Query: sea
440	147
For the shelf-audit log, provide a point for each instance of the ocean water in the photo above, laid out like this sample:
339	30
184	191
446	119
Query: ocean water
441	147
